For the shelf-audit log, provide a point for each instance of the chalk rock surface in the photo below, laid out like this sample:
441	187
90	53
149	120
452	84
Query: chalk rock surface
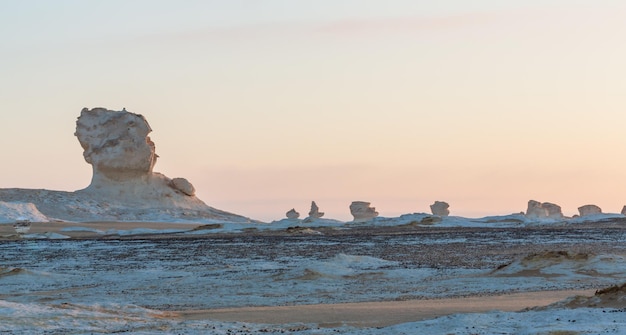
183	185
546	210
123	186
589	210
15	211
122	156
553	211
535	210
362	211
292	214
440	208
116	144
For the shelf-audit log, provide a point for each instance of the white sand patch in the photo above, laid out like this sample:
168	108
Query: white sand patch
14	211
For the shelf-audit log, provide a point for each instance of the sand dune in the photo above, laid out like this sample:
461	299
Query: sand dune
381	314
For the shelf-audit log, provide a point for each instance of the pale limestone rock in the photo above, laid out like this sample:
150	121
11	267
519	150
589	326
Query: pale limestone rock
553	211
546	210
589	210
123	186
361	211
183	185
117	145
440	208
292	214
535	210
315	213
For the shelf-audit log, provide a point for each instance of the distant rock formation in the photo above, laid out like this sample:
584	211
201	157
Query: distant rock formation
315	213
361	211
623	210
553	211
535	210
589	210
546	210
292	214
440	208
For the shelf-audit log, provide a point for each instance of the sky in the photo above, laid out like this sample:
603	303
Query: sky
267	105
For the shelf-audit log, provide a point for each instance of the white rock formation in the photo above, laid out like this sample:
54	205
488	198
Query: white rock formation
117	145
535	210
361	211
440	208
10	212
292	214
546	210
589	210
315	213
553	211
183	185
123	186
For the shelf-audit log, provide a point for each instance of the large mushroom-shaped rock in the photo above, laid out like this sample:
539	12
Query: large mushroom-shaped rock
116	144
589	210
440	208
292	214
122	156
361	211
123	186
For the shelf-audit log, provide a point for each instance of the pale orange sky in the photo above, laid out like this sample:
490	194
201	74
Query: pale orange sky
267	105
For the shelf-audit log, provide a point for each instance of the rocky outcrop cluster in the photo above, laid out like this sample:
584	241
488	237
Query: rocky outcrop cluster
589	210
440	208
362	211
546	210
292	214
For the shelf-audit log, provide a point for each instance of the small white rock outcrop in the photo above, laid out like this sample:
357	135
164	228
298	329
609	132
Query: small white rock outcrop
362	211
553	211
546	210
589	210
292	214
440	208
315	213
535	210
183	185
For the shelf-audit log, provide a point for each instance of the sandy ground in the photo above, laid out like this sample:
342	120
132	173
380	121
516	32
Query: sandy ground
380	314
365	314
